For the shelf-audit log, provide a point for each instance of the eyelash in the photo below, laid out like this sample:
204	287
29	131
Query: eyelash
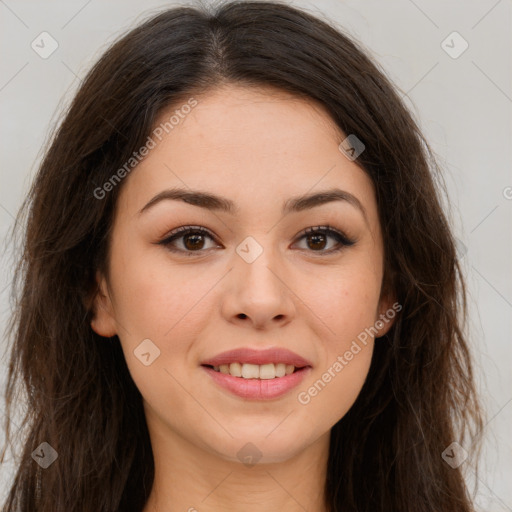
340	237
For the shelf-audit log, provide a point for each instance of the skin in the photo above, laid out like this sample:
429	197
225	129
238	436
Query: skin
258	148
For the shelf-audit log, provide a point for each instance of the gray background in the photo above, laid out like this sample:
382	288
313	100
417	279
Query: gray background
463	105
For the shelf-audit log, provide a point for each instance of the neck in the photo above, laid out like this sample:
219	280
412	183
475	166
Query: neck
189	478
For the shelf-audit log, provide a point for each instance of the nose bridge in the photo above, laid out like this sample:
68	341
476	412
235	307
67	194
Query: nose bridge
258	290
256	263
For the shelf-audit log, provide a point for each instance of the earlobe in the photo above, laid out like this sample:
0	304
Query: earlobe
388	310
103	320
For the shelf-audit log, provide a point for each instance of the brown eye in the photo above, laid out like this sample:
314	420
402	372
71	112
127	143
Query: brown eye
192	239
317	239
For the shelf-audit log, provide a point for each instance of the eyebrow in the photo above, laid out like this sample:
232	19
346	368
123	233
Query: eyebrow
213	202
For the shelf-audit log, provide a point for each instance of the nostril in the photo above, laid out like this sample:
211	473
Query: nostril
242	315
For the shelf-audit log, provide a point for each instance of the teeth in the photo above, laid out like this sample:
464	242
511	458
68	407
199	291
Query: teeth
235	369
254	371
280	370
250	371
267	371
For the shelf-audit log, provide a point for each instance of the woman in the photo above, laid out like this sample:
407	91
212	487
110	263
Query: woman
238	287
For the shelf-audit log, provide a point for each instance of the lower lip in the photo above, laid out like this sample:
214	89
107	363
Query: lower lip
258	389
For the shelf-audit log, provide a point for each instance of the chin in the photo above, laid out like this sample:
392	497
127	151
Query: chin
257	446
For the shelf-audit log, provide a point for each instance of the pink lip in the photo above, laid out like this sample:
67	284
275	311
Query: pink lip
251	356
258	389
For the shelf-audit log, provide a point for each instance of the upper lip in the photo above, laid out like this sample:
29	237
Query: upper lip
259	357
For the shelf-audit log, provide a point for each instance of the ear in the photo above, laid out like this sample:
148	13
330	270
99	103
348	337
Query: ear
103	320
386	314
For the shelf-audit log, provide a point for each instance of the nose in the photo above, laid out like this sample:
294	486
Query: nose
259	293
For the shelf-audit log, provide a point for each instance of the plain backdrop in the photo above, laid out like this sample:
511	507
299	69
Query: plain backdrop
461	99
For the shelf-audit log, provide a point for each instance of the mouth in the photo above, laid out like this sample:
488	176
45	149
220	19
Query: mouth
257	374
254	371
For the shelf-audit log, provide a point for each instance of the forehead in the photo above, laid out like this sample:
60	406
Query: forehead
268	123
252	145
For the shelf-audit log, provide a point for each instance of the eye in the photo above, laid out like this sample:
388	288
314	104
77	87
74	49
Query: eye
316	238
192	239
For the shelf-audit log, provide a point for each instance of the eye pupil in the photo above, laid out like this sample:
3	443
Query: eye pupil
194	245
316	237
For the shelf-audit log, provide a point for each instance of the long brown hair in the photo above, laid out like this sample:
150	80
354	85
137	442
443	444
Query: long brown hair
419	397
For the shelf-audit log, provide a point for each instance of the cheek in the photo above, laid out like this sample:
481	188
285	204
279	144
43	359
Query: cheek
345	301
145	309
162	305
347	308
154	296
335	388
346	304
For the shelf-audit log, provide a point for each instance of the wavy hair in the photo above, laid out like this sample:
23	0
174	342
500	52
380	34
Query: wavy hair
74	388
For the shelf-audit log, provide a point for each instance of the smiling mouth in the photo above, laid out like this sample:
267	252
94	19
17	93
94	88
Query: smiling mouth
255	371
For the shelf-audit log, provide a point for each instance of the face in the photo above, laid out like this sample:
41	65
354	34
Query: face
247	276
